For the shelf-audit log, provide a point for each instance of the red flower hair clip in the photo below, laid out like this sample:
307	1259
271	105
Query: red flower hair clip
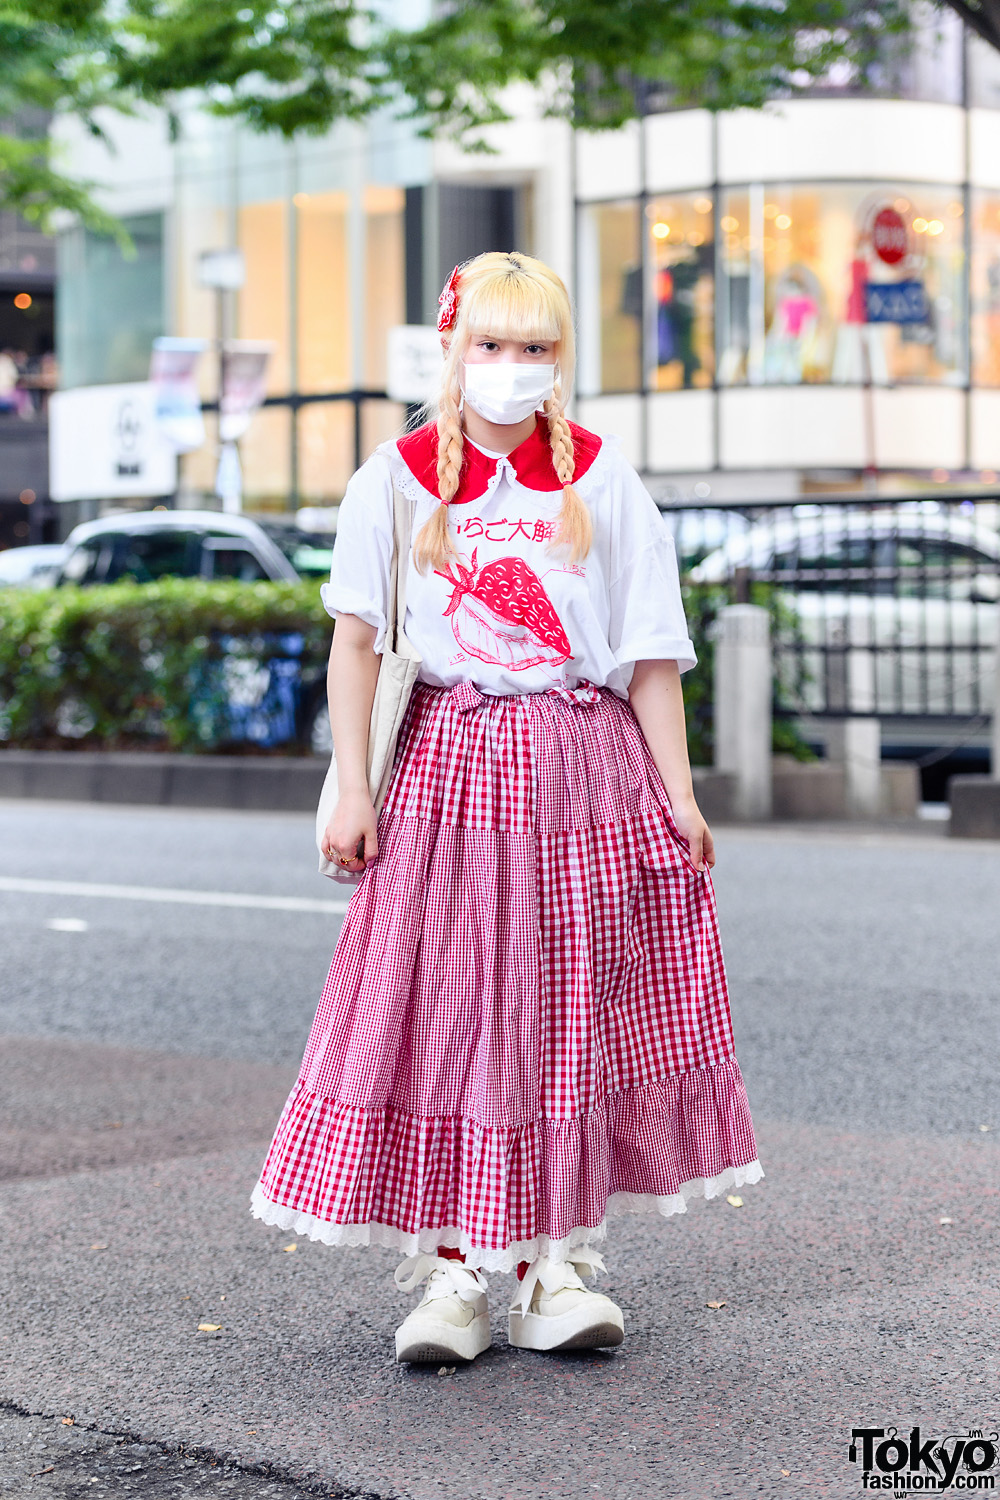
448	303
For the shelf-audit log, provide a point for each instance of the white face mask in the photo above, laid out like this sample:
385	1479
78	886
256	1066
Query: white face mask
507	393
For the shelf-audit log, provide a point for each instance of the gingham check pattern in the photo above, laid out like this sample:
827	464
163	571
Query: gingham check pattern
526	1012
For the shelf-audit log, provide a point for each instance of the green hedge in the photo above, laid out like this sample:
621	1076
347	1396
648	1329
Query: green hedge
134	665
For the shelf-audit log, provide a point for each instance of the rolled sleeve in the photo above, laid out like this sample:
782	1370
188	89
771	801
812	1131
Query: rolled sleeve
362	551
647	620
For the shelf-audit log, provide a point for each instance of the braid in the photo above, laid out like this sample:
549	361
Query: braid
561	443
433	545
451	447
575	528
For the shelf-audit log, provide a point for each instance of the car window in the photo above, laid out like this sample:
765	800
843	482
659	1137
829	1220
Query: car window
935	568
845	564
149	555
231	560
87	561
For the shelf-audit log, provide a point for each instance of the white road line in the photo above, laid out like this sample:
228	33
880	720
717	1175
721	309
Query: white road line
240	899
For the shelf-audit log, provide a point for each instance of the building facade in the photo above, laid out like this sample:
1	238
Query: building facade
726	271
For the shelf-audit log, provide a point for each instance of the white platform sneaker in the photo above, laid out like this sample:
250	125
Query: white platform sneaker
552	1308
451	1320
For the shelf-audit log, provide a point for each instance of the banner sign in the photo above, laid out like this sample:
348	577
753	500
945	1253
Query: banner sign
896	302
173	371
105	443
244	385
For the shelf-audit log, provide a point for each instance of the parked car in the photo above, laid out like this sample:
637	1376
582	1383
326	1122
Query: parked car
891	612
148	545
30	567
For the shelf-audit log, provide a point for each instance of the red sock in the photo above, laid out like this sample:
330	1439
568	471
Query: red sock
448	1254
522	1267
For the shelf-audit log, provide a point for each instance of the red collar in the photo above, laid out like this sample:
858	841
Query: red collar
531	460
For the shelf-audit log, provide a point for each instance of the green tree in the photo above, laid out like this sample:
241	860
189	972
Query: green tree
53	59
300	65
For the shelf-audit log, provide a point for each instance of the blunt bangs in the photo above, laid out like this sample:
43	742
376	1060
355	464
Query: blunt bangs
512	305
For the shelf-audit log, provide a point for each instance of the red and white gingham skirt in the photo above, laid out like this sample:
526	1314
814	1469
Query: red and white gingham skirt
526	1023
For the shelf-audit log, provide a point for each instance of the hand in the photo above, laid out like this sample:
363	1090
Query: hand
689	822
351	830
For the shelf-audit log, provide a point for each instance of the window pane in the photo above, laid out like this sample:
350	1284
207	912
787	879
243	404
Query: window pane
263	300
610	299
265	456
385	276
801	273
326	451
380	420
680	258
110	307
324	319
986	289
233	562
157	554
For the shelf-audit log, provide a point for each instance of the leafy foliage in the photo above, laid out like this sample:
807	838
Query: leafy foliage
702	603
301	65
136	665
53	58
717	54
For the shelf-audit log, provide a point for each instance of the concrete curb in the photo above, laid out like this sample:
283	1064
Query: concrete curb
260	783
257	783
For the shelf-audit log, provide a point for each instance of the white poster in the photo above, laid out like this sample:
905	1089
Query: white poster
106	444
414	361
173	370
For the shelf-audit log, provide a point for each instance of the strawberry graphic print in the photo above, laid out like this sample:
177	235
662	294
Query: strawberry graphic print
501	614
509	609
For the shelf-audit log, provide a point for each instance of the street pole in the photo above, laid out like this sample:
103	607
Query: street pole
223	271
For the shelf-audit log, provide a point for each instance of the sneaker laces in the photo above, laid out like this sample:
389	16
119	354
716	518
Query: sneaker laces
558	1275
444	1277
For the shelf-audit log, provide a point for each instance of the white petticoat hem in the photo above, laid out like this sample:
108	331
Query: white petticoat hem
424	1241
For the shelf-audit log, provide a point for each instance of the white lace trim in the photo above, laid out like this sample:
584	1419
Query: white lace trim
426	1241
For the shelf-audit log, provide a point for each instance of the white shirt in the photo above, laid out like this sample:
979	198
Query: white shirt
514	617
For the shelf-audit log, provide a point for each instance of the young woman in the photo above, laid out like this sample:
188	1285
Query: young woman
526	1025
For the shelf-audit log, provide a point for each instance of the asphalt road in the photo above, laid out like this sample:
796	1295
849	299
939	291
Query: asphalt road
149	1045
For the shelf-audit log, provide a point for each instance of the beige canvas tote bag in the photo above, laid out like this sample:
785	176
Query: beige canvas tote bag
397	673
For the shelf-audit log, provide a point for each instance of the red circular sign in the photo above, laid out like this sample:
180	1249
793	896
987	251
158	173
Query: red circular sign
889	238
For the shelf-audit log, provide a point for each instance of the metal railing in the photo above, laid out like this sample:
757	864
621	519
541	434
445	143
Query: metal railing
886	607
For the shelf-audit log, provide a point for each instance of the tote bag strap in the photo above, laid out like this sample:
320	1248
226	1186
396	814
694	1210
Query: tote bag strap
402	531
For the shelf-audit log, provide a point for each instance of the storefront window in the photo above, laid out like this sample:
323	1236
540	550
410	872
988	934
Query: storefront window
110	307
263	300
680	343
385	276
324	291
609	273
829	283
326	451
986	289
265	456
380	420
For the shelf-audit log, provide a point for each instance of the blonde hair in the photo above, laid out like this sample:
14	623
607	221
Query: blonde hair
514	297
